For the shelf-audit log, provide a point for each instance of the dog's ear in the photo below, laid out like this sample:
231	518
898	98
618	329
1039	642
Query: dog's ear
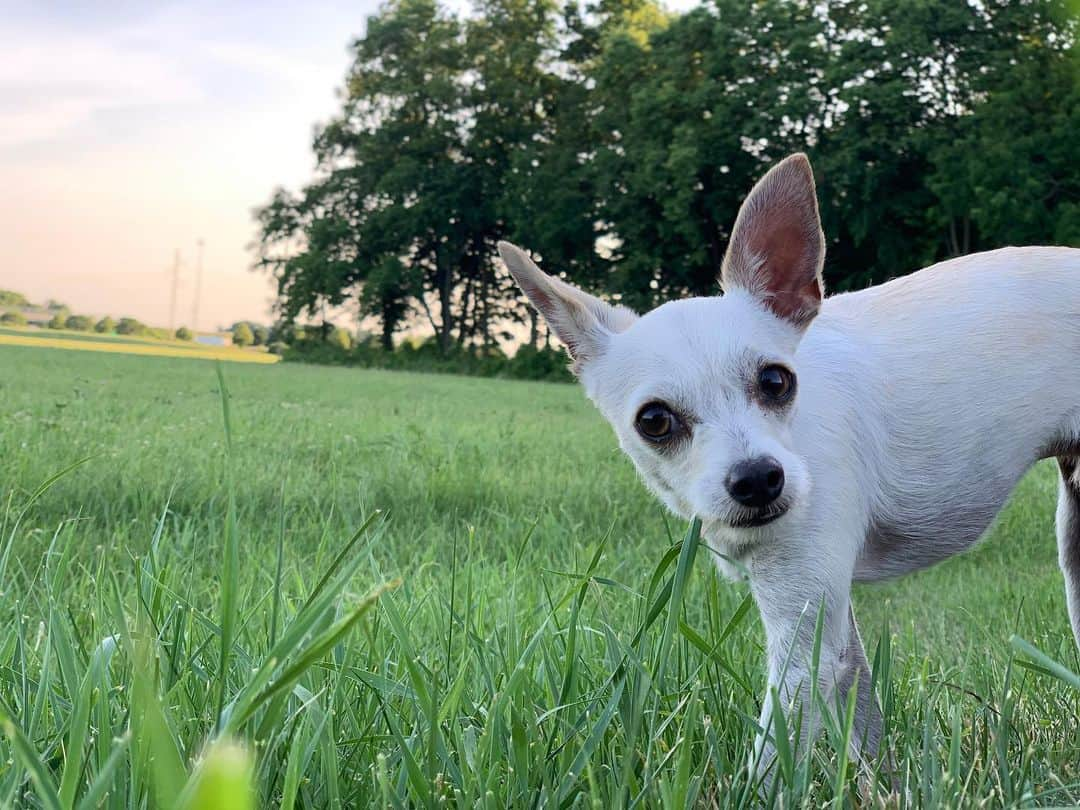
581	321
777	249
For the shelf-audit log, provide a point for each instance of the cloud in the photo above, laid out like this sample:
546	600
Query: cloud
53	84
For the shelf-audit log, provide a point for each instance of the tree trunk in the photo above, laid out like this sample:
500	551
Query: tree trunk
445	309
387	337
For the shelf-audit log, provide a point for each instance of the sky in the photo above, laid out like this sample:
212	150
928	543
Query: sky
130	130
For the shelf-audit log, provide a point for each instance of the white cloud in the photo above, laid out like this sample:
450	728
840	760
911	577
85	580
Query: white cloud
52	85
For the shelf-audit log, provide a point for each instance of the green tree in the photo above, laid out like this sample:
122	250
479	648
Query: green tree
183	333
393	179
57	321
242	335
13	318
130	326
1024	188
8	298
105	326
79	323
617	141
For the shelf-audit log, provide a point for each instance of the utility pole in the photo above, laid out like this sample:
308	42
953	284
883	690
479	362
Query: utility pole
175	284
198	288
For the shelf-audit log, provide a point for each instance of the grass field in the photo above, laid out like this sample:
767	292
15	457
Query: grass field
128	344
170	592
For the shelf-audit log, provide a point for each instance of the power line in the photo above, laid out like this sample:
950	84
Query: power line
175	284
198	287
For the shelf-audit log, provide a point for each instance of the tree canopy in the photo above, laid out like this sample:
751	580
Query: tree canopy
616	141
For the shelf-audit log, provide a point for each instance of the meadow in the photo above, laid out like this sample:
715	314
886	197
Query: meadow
327	587
72	340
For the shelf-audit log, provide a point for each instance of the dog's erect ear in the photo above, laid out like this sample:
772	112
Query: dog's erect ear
777	248
581	321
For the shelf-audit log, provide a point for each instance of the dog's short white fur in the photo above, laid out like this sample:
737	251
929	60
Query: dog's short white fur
910	412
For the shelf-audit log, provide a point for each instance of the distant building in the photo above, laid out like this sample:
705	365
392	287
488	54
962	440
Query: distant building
37	316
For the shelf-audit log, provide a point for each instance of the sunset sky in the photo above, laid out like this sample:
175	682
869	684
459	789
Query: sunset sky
131	129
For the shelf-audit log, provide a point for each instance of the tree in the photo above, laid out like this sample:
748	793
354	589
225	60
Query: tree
183	333
57	321
616	141
393	179
8	298
1021	189
13	318
130	326
105	326
242	335
79	323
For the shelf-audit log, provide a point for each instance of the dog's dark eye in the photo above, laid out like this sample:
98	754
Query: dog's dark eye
777	384
656	422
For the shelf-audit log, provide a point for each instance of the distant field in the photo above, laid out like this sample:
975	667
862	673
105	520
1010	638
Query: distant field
513	667
128	344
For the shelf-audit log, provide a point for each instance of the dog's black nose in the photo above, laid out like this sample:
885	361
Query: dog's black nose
756	482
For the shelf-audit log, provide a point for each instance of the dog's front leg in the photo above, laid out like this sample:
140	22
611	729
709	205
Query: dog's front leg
789	589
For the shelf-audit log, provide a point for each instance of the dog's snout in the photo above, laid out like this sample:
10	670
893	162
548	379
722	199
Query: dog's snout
756	482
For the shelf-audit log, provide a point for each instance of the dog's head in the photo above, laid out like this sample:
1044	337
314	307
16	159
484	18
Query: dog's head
701	392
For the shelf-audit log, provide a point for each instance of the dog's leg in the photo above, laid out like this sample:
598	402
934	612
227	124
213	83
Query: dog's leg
856	673
1068	535
789	591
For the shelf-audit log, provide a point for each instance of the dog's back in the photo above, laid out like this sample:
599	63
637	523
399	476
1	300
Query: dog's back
968	372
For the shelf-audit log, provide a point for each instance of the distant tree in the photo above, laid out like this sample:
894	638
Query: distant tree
105	326
9	298
57	321
340	338
130	326
13	318
261	334
183	333
79	323
242	335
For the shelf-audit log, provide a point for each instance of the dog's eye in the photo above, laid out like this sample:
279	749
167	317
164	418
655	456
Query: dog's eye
656	422
777	384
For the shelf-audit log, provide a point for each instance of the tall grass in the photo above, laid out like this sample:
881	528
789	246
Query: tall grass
211	611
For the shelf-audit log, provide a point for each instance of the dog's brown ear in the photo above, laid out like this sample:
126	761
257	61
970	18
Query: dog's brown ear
582	321
777	249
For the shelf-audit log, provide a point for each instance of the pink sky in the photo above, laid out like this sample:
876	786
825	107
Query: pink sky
130	129
128	133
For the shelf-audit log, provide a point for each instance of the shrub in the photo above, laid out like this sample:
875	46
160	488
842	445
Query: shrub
105	326
9	298
57	321
528	363
13	318
79	323
130	326
340	338
183	333
279	348
242	335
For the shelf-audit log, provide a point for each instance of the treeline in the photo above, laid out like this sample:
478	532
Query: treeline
616	141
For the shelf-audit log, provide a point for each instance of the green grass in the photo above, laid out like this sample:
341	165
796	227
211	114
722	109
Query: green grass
111	337
190	606
69	340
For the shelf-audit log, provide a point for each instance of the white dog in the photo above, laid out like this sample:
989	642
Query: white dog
853	438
